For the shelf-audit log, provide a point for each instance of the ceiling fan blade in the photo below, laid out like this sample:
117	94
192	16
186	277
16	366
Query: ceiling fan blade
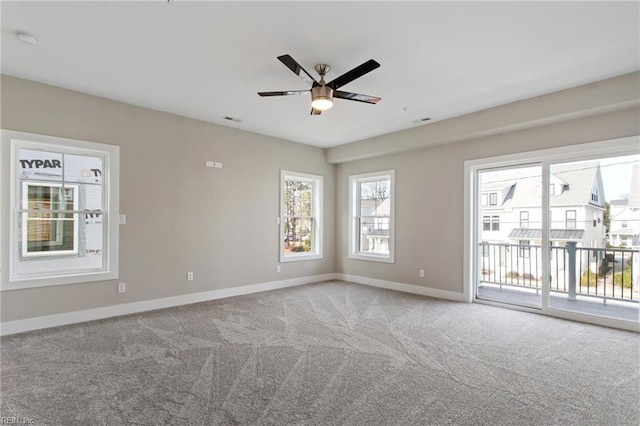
315	111
356	97
284	93
357	72
297	69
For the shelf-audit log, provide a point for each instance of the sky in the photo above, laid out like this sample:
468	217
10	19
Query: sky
616	175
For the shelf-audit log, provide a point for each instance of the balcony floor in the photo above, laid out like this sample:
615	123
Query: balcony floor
584	304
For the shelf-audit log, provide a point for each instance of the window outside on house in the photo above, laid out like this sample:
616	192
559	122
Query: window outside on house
570	222
493	199
524	219
495	223
372	214
49	230
523	245
61	208
300	230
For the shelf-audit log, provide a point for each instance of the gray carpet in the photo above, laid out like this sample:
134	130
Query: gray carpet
324	354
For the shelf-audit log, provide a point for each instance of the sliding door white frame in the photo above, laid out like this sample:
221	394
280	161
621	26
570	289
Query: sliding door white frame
546	157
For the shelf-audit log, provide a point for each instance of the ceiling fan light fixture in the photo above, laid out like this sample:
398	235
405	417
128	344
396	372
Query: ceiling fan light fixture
321	98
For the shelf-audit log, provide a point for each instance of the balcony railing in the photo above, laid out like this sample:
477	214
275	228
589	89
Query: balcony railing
605	273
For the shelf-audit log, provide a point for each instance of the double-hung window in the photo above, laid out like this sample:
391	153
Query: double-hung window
63	224
371	209
301	216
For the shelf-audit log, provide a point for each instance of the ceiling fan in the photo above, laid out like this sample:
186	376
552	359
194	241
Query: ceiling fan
322	93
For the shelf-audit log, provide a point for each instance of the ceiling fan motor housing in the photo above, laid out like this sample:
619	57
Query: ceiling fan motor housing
322	97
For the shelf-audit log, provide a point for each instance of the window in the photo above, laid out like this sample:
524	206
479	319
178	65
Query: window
495	223
484	199
49	232
523	248
570	219
301	220
64	209
524	219
490	223
371	210
595	195
493	199
625	224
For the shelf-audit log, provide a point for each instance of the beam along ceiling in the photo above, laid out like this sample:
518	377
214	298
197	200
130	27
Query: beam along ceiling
208	60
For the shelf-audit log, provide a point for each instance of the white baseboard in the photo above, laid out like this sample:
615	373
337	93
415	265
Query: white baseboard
37	323
406	288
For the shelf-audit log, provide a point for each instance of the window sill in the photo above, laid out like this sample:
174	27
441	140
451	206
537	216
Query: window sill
26	283
372	257
300	257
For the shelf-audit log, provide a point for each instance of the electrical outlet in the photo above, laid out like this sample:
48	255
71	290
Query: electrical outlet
277	268
122	287
421	273
189	276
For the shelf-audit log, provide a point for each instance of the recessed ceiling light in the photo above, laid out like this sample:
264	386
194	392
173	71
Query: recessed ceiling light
26	38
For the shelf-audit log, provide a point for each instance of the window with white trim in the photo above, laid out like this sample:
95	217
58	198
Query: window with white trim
64	200
301	217
371	209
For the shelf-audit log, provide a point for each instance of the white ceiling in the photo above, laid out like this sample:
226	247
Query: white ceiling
207	60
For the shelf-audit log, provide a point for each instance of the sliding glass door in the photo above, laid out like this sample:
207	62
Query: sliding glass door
509	224
559	231
594	225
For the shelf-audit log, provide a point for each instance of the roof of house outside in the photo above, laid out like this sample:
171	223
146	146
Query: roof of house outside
556	234
579	177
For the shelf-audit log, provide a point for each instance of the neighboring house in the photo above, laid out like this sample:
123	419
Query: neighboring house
624	214
511	210
375	225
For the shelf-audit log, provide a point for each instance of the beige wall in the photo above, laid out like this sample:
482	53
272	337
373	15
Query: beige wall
181	216
184	217
429	196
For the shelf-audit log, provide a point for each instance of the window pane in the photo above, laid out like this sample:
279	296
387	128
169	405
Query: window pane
39	165
300	227
298	235
49	232
82	169
371	209
374	234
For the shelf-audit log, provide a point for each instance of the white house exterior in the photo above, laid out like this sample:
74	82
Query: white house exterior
624	216
375	225
511	213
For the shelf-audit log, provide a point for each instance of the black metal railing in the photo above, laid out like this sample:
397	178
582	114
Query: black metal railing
606	273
